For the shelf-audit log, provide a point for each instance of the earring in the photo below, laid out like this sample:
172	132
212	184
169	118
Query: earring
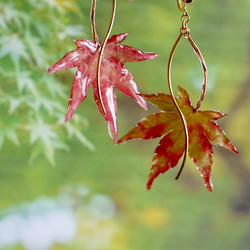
185	32
183	128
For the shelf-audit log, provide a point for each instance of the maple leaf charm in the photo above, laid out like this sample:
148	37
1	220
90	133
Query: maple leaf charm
202	131
113	74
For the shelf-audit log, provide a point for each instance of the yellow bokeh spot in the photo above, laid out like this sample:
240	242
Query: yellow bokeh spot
67	5
154	217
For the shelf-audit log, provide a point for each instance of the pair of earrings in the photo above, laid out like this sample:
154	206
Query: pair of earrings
183	128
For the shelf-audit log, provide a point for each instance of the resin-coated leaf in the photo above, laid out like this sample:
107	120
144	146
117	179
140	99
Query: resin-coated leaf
202	131
113	75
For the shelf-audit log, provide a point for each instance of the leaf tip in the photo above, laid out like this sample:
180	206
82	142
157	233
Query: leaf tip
149	185
150	182
142	103
207	177
121	140
69	113
234	149
115	141
153	174
50	70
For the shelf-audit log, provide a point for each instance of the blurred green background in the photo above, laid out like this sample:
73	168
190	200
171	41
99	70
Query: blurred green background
77	167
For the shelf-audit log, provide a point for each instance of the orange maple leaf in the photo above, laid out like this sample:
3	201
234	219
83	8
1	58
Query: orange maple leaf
202	131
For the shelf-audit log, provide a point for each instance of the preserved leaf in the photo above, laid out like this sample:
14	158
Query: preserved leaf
202	130
113	75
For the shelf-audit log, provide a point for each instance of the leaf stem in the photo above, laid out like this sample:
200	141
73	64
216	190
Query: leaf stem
176	104
102	47
92	20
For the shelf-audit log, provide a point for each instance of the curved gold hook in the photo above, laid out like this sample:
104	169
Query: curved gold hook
179	3
204	87
92	19
205	72
177	106
101	48
182	5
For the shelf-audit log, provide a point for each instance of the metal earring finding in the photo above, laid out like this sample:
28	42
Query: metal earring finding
179	3
184	31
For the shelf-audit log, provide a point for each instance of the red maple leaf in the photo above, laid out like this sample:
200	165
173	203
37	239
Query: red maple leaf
202	130
113	74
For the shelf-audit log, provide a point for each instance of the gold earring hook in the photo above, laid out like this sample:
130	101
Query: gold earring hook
184	31
204	87
179	3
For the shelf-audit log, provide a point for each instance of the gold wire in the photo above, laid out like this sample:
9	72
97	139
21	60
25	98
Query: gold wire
92	21
101	48
176	104
185	3
186	33
205	71
179	4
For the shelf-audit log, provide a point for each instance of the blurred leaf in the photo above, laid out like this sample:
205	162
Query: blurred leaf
45	138
71	31
40	130
8	129
60	6
12	135
15	48
43	30
14	103
3	24
36	50
10	13
84	140
29	30
77	133
54	88
48	104
25	81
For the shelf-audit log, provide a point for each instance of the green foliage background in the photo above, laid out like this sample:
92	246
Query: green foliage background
34	34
